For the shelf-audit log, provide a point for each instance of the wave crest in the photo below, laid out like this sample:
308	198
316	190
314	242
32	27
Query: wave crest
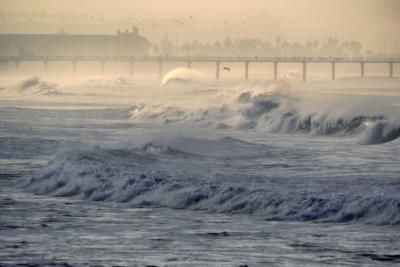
274	108
182	76
168	174
32	86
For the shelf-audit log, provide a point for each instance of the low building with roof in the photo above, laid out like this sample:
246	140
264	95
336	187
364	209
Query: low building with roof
123	43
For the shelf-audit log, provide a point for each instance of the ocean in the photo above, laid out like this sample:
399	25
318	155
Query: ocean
114	171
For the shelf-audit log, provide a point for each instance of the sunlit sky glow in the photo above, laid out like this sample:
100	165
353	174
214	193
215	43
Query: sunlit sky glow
371	21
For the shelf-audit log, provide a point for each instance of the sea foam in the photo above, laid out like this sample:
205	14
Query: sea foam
274	107
223	176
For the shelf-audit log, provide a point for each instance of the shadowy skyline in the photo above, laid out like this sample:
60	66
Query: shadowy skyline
373	23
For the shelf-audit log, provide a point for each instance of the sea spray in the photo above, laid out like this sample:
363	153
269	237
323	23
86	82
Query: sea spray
275	107
223	175
183	76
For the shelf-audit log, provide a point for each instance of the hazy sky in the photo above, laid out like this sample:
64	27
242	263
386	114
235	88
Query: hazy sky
212	8
366	20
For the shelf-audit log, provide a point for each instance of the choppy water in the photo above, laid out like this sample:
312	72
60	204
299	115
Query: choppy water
204	174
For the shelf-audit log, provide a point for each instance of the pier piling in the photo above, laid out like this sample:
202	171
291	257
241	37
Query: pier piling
45	64
103	66
275	70
246	71
218	67
391	69
131	67
304	71
160	68
362	65
74	66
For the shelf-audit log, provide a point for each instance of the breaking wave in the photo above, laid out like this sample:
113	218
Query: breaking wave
219	176
182	76
274	108
121	81
32	86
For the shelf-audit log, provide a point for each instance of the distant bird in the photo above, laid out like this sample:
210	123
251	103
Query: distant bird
227	69
190	17
178	22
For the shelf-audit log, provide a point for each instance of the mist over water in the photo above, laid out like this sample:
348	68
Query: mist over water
265	151
208	133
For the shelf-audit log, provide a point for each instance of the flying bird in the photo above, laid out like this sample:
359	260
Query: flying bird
227	69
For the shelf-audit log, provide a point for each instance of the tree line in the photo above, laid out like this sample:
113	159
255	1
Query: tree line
330	47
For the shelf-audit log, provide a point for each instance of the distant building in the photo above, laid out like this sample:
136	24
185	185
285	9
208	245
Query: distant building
64	44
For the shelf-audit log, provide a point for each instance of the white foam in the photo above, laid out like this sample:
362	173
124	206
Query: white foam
31	86
189	173
275	107
183	75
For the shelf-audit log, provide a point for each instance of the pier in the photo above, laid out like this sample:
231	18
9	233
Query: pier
189	61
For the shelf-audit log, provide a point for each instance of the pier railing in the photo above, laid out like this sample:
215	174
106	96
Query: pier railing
160	60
